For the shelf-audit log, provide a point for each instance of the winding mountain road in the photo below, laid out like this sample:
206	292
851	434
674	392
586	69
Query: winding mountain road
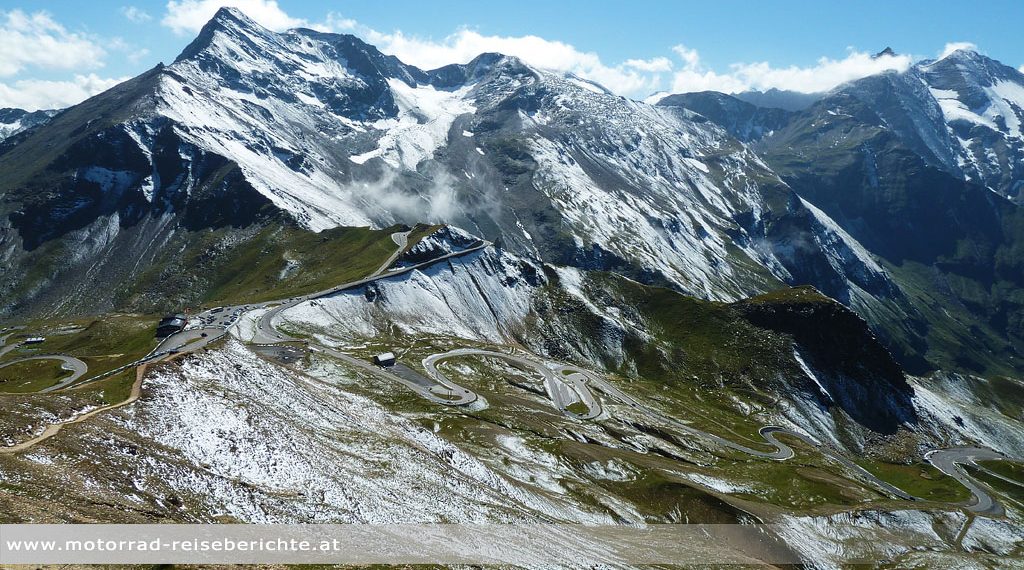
70	363
555	374
266	333
4	347
76	366
567	384
949	461
454	395
559	391
564	384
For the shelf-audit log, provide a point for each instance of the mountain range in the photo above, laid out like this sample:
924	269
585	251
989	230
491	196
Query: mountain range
703	193
849	262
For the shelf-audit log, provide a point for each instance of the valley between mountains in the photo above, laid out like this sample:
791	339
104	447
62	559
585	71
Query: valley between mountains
693	309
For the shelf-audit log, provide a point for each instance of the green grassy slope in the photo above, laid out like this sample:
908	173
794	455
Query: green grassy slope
31	376
103	343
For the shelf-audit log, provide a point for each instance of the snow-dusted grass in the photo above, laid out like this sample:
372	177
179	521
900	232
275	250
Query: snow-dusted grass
475	297
278	446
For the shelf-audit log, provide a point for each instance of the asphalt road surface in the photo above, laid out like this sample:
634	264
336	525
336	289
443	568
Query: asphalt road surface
4	347
447	393
190	339
562	390
76	366
949	460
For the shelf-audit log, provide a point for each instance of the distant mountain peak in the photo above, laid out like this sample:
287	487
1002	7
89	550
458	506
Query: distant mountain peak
230	22
887	52
964	54
227	15
13	120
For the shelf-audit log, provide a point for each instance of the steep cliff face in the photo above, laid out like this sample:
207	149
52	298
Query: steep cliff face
854	370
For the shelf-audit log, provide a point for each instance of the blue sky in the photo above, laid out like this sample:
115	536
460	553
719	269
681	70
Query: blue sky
58	52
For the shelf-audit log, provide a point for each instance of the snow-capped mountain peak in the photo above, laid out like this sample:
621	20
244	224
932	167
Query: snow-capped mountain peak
332	132
982	104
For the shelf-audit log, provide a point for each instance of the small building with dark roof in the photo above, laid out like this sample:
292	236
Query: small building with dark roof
384	359
171	324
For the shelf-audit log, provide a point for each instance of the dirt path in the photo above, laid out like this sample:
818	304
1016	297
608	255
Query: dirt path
53	429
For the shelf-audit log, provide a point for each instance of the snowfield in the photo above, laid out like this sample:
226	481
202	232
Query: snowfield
425	116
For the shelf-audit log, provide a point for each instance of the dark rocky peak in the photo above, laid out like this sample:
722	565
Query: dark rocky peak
860	374
779	99
740	119
885	52
704	97
9	115
965	68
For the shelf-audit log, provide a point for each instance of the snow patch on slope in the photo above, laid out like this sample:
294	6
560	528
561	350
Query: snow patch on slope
834	540
1002	97
425	116
951	407
484	296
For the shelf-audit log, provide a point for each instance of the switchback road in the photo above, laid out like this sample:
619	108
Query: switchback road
564	384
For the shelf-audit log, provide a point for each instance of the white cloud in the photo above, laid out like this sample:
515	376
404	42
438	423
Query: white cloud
338	24
131	52
138	55
690	57
953	46
36	40
135	14
633	77
825	74
1021	69
188	16
34	94
465	44
653	65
